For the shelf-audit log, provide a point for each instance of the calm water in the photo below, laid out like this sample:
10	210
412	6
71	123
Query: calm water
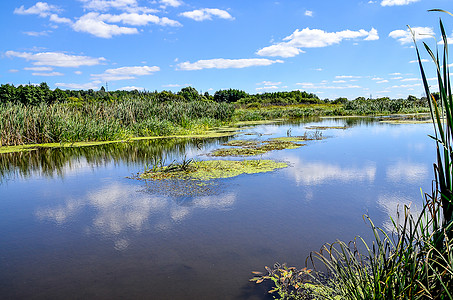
73	226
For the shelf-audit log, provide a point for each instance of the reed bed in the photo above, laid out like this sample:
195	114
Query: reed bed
101	121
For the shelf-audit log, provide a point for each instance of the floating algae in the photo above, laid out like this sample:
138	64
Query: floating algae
250	148
213	169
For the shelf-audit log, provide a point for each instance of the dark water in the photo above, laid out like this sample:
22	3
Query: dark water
74	227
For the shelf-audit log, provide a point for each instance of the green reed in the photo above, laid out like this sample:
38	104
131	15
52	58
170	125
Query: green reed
101	121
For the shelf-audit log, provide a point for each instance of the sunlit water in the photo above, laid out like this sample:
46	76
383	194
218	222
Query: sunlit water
73	226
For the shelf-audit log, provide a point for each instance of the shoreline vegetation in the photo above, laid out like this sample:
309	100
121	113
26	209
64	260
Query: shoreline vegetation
33	116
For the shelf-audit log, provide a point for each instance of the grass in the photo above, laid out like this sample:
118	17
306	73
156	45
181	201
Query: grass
415	261
105	121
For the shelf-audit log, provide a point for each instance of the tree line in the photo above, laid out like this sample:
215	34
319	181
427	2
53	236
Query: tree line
37	94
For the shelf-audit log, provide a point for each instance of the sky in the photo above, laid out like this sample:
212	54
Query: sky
332	48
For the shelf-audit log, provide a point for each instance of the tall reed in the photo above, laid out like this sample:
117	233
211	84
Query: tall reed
101	121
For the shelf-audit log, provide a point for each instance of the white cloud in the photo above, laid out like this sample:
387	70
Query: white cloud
267	88
206	14
382	81
314	38
395	74
55	18
309	85
136	19
221	63
282	50
37	33
377	78
103	5
372	35
339	81
57	59
309	13
269	83
405	36
41	9
92	24
172	3
131	88
13	70
397	2
411	79
78	72
406	86
125	73
48	74
39	69
347	77
78	86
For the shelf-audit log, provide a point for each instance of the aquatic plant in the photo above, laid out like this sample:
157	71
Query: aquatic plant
211	169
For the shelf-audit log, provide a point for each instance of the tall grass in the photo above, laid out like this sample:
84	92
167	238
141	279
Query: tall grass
101	121
415	261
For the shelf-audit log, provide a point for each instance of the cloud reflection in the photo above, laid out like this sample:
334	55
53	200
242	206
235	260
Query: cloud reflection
121	209
312	173
407	172
394	204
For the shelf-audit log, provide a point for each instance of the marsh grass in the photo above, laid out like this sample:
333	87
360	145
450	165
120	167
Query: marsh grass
102	121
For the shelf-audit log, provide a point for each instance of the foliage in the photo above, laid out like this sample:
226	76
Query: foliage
101	121
230	95
385	105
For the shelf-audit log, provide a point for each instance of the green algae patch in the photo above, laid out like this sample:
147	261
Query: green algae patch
213	169
242	143
252	148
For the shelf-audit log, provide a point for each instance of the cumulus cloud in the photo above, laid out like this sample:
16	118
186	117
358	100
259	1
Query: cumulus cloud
103	5
92	23
309	13
41	9
405	36
397	2
416	61
314	38
206	14
281	50
55	18
56	59
222	63
136	19
125	73
172	3
267	83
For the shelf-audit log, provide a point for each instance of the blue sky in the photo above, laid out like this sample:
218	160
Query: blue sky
332	48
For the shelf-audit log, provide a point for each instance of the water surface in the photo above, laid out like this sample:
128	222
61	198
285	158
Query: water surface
75	226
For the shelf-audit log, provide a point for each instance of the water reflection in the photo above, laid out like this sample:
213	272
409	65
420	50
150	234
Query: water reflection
121	209
53	162
394	207
314	173
407	172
